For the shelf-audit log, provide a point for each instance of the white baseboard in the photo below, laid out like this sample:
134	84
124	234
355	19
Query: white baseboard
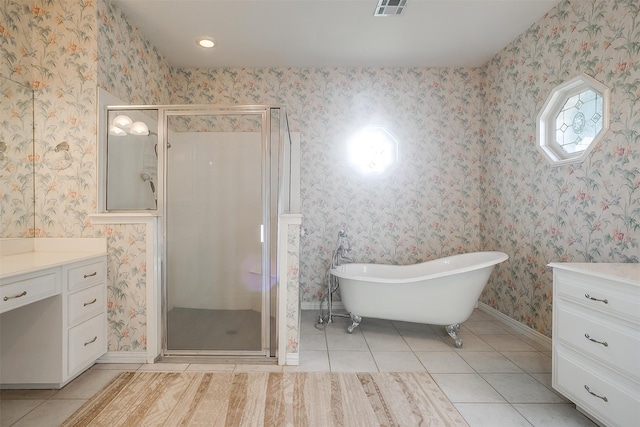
292	359
543	340
315	305
123	357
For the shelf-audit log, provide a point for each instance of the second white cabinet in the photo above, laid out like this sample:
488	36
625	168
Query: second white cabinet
596	339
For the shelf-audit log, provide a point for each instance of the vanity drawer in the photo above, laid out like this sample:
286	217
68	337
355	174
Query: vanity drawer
87	274
590	292
577	380
87	342
614	344
26	290
86	303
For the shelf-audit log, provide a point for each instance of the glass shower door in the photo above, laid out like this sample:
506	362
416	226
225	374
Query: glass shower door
216	298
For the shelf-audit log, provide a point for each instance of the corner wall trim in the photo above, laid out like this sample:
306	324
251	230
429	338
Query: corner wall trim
543	340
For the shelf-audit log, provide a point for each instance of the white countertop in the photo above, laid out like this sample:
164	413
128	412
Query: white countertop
20	256
623	272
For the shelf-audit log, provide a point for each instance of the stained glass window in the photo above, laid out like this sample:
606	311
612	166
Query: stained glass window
573	120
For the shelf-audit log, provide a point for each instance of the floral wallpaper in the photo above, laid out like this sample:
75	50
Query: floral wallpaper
16	159
425	207
53	47
468	175
537	213
17	216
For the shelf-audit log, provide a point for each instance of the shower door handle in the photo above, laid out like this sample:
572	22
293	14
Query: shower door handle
261	233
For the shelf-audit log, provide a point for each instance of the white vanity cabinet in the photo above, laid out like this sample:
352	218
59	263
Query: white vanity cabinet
596	339
53	324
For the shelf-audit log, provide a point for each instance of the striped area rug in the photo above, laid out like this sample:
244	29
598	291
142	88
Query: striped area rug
269	399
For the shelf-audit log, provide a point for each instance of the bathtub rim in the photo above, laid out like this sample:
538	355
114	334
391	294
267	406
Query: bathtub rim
498	258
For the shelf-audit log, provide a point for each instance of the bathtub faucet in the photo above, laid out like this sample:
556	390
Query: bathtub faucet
341	251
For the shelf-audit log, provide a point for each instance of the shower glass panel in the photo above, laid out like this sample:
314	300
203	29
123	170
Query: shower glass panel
132	160
218	213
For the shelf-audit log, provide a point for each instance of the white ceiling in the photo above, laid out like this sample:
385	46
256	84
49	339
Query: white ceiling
326	33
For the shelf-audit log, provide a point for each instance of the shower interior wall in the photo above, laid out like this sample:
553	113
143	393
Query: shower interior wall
207	209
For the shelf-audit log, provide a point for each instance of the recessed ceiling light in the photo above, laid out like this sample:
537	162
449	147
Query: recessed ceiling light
206	42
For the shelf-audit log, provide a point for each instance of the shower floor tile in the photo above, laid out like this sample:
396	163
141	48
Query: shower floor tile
202	329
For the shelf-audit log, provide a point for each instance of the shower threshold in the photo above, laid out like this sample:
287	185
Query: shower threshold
219	360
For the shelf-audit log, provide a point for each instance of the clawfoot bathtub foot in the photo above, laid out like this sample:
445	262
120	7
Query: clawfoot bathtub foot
356	321
453	330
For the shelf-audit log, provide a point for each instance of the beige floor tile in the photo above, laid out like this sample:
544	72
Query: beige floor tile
313	342
506	343
50	413
43	394
564	415
210	367
491	415
12	410
531	362
355	342
537	344
427	343
118	366
163	367
489	362
352	361
414	329
393	361
444	362
257	368
310	361
467	388
308	322
471	343
521	388
383	341
86	385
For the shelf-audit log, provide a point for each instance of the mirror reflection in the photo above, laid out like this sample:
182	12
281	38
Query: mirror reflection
17	185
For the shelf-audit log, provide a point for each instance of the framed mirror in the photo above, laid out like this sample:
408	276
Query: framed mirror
17	182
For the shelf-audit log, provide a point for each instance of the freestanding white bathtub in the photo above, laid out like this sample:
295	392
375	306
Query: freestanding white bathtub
438	292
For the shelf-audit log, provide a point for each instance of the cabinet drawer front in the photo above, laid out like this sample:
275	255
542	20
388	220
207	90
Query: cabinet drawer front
27	290
613	344
86	303
598	294
87	275
87	342
622	406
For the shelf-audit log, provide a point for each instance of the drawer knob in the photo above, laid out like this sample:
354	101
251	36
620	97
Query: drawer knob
90	275
89	303
586	387
596	299
92	341
15	296
604	343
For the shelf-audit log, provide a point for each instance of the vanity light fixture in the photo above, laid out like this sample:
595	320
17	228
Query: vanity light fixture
123	122
123	125
116	131
139	128
206	42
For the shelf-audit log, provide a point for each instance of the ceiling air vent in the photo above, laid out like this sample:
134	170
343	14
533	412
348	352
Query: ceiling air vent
390	7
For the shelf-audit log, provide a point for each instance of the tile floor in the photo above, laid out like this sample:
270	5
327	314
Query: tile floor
499	377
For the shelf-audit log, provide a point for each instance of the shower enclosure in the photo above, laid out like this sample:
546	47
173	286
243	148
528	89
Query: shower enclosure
220	181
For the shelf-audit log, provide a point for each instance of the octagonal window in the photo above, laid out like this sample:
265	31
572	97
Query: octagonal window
373	150
573	119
